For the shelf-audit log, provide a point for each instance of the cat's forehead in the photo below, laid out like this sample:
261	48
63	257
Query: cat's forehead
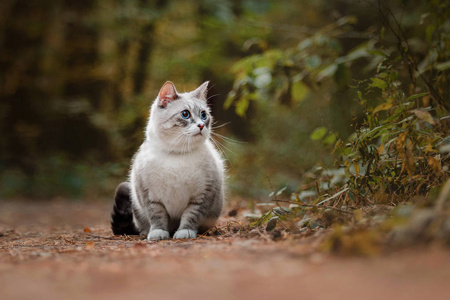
186	101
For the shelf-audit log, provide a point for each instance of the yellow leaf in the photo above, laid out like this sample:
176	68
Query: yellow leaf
434	164
384	106
356	165
400	141
381	149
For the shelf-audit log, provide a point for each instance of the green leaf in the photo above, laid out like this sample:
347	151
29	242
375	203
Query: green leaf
330	139
318	133
416	96
299	91
376	53
264	218
241	106
229	100
377	82
429	32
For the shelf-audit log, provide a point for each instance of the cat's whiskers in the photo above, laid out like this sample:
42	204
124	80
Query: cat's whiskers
223	146
219	126
219	145
227	139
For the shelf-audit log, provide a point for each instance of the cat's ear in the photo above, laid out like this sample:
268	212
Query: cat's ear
167	94
202	91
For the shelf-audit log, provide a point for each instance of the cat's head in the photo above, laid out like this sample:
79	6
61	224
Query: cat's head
180	121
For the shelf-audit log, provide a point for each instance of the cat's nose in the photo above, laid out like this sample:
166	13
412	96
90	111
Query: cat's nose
201	125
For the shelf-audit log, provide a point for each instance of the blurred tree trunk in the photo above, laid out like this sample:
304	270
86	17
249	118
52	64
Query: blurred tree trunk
122	50
146	45
83	87
22	96
81	52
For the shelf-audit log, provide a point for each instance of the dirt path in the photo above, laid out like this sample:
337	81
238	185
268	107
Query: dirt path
46	253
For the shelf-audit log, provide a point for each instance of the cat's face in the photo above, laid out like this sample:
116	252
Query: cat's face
181	121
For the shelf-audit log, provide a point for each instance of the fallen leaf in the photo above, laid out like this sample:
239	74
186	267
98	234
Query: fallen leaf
87	229
89	245
424	115
434	164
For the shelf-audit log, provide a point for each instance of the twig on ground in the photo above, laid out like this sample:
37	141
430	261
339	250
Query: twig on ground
101	237
315	206
334	196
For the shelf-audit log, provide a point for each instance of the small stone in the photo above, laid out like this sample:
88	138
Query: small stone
314	224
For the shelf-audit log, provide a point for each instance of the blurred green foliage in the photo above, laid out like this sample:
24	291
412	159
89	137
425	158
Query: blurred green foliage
399	149
394	67
77	79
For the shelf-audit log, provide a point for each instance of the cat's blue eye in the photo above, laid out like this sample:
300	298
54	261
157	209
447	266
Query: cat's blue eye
203	115
185	114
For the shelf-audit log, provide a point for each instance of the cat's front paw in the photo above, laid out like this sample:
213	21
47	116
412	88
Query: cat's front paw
185	234
158	234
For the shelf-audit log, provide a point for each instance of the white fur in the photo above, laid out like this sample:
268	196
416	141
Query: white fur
171	177
185	234
172	167
158	234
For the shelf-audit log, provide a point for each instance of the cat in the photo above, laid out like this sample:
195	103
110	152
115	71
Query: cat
176	182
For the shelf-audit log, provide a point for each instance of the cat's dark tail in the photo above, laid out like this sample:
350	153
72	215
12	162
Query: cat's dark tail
122	214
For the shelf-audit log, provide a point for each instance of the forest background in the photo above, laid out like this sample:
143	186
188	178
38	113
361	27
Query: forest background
320	98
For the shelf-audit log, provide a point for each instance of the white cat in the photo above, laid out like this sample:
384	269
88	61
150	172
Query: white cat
177	176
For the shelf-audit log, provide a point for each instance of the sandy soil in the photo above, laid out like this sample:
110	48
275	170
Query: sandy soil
65	250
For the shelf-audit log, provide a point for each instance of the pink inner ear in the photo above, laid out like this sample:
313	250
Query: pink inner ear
167	93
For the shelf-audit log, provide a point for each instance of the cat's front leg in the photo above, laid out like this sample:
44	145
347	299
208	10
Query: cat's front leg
159	221
193	216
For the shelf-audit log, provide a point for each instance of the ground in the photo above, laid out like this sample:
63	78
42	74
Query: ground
65	250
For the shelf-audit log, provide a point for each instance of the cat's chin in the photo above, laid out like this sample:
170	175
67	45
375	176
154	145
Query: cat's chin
199	135
195	144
